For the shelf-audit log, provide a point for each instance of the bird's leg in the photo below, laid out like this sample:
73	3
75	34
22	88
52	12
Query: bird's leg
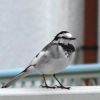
44	80
45	84
61	86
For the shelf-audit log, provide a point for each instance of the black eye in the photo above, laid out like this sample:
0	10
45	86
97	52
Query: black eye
65	37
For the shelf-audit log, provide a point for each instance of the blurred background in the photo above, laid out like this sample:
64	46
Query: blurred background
26	26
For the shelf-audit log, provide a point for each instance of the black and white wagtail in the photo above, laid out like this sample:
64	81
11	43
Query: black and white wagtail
52	59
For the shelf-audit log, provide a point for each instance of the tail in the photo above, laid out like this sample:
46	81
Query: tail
21	75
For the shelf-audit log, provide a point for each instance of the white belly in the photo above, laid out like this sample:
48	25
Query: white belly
55	65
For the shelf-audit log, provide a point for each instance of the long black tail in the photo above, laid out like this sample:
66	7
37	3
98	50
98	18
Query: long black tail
21	75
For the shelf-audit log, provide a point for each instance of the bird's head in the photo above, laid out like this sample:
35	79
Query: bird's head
64	37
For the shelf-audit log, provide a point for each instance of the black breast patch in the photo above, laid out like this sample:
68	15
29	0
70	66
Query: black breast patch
69	48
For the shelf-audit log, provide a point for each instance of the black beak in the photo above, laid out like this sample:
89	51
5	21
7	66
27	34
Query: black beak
72	38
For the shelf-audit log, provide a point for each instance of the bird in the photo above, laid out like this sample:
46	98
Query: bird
52	59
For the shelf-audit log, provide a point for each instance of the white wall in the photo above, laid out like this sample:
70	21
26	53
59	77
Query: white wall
27	25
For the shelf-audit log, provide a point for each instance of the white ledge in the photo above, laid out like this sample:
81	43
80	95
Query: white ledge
75	93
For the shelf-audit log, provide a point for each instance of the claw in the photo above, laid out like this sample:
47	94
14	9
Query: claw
63	87
46	86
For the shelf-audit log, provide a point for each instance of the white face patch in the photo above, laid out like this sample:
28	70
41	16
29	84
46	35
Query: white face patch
68	35
63	38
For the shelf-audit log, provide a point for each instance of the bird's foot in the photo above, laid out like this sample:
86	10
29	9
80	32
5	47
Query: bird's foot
63	87
46	86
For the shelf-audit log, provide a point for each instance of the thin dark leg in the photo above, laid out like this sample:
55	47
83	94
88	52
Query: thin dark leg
45	84
61	86
44	80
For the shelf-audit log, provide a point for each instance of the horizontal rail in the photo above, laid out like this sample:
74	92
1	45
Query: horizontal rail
72	69
73	75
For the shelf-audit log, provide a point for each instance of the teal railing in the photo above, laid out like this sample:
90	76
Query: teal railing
70	73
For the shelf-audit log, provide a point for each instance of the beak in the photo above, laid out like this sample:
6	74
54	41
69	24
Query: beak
72	38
